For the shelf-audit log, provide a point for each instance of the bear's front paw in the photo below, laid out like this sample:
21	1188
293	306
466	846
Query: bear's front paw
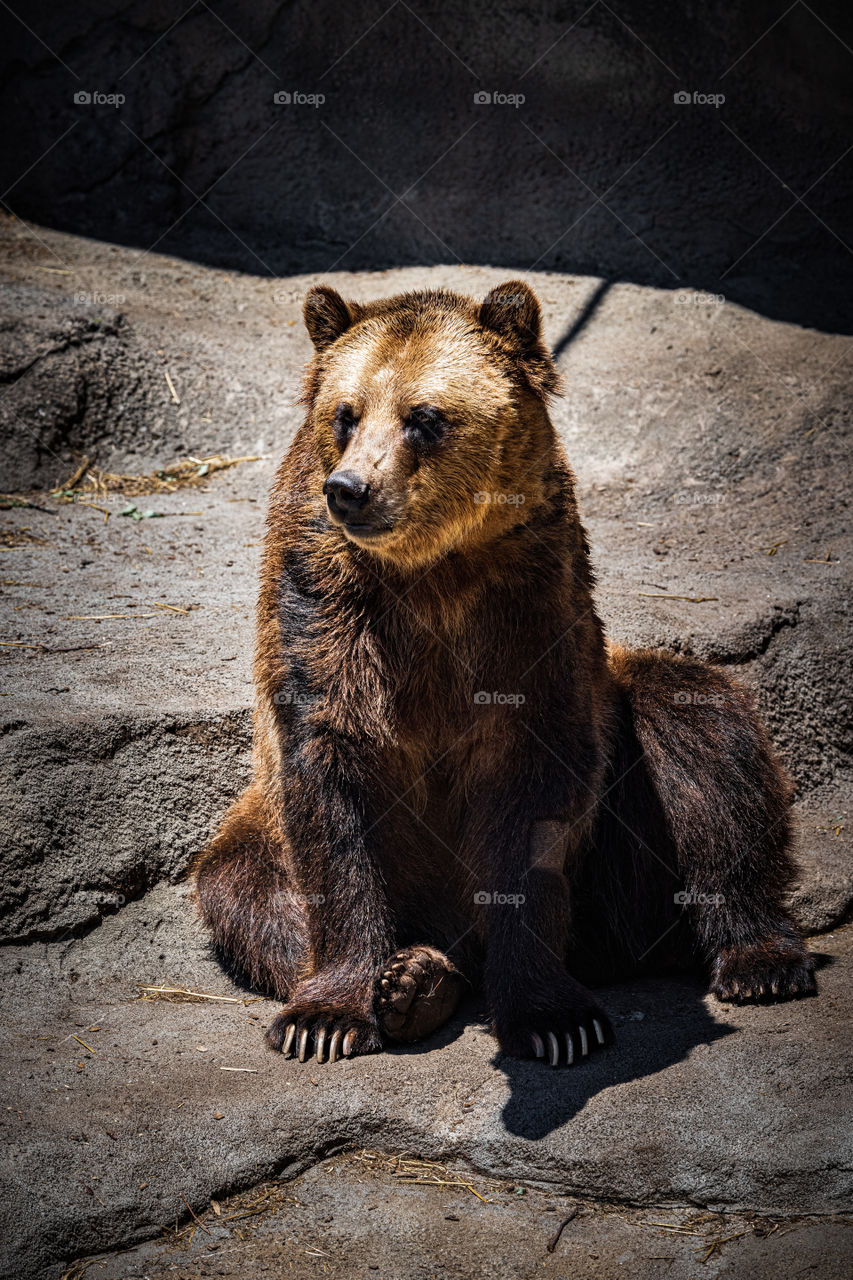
561	1031
307	1030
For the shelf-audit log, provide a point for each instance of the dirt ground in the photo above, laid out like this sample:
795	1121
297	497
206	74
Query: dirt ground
371	1215
711	447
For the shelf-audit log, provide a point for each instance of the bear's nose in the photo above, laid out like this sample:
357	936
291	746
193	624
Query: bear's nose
346	492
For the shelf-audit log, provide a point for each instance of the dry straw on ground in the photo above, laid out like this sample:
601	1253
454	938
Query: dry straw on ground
89	481
421	1173
180	995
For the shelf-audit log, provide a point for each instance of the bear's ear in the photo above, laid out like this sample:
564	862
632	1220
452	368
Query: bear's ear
511	310
327	316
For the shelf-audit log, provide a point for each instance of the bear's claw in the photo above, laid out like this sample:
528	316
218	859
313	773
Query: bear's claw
553	1051
297	1045
304	1030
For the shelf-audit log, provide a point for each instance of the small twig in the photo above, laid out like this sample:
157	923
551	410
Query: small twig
43	648
182	991
248	1213
83	1042
174	608
104	617
693	599
715	1244
555	1239
77	1269
251	1070
71	648
826	560
171	387
442	1182
8	500
79	502
773	547
198	1220
668	1226
74	480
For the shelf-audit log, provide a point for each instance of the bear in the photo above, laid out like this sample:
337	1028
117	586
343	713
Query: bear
458	781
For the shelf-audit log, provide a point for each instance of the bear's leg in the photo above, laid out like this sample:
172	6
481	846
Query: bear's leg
725	805
246	900
419	990
524	912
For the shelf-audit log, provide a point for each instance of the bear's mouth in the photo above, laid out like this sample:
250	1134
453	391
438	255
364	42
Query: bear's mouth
363	532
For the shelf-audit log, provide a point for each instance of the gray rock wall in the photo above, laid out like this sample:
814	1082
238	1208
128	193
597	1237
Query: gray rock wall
599	170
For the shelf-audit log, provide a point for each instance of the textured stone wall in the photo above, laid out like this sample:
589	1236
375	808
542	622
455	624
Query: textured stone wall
583	160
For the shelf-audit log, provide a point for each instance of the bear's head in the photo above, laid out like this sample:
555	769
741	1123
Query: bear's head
428	413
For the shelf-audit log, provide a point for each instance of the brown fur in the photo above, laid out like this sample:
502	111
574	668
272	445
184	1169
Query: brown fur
388	799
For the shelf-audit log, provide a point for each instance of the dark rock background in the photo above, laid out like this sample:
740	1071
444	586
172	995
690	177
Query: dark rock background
599	171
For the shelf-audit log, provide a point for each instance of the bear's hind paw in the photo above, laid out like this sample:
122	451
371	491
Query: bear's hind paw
777	968
418	990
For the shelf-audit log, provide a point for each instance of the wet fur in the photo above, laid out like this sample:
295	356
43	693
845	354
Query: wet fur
386	799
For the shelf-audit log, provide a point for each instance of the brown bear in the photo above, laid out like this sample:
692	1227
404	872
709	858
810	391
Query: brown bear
454	775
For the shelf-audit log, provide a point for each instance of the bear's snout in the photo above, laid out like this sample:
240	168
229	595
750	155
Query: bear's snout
349	499
346	493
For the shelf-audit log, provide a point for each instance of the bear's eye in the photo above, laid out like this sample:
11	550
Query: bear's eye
344	424
424	426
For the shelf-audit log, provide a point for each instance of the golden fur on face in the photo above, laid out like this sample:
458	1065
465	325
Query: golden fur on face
481	374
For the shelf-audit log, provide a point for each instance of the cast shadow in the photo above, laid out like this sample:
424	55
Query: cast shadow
657	1023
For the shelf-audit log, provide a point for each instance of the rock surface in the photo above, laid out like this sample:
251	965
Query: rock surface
368	1216
703	436
115	1108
